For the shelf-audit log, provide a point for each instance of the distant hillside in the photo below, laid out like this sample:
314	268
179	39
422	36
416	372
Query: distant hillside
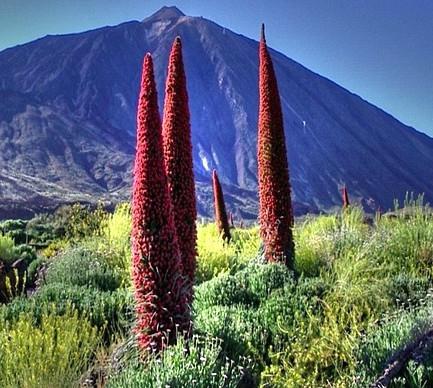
67	121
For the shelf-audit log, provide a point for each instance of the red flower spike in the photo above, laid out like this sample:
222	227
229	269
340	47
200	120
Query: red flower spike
161	303
345	197
232	221
177	145
275	206
220	209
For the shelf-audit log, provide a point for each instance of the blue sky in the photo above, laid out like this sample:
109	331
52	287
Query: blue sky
379	49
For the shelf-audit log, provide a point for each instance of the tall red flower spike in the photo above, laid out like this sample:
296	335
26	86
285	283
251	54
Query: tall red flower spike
176	133
220	209
345	197
232	221
160	298
275	206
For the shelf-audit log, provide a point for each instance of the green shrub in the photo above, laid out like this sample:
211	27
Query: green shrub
261	279
82	267
314	244
25	252
408	290
351	296
53	354
16	229
321	240
54	248
7	249
34	267
197	363
112	311
116	241
395	331
406	243
238	327
215	257
224	290
248	286
236	309
82	222
286	307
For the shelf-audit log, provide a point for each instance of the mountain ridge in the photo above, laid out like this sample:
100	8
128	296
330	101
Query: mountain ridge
90	82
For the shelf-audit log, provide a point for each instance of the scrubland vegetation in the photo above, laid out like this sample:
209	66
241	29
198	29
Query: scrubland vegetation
145	297
362	293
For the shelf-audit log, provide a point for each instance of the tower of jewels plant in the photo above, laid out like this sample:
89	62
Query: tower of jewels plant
178	159
221	219
275	206
160	297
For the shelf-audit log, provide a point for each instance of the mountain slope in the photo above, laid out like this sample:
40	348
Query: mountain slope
68	105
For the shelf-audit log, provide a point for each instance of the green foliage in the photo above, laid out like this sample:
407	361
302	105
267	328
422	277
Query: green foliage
112	311
197	363
54	248
217	257
406	242
9	252
287	306
321	240
116	241
395	331
407	290
248	286
237	326
16	229
222	290
25	252
314	244
34	267
53	354
236	309
361	295
82	267
7	249
41	230
80	221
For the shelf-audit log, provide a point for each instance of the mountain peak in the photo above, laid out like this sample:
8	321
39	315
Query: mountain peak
166	13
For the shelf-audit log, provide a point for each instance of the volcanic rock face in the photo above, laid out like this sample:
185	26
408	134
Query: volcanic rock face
68	110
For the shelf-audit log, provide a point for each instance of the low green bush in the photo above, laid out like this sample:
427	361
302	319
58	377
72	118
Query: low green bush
116	242
395	331
321	240
53	354
82	267
25	252
33	269
7	249
240	309
111	311
216	257
16	229
248	287
405	242
197	363
286	307
261	279
238	327
222	290
408	290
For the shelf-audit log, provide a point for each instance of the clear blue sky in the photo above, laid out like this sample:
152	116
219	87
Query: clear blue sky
379	49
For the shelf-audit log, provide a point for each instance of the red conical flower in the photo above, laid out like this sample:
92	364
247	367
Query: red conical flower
176	134
275	213
232	221
156	271
220	209
345	196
